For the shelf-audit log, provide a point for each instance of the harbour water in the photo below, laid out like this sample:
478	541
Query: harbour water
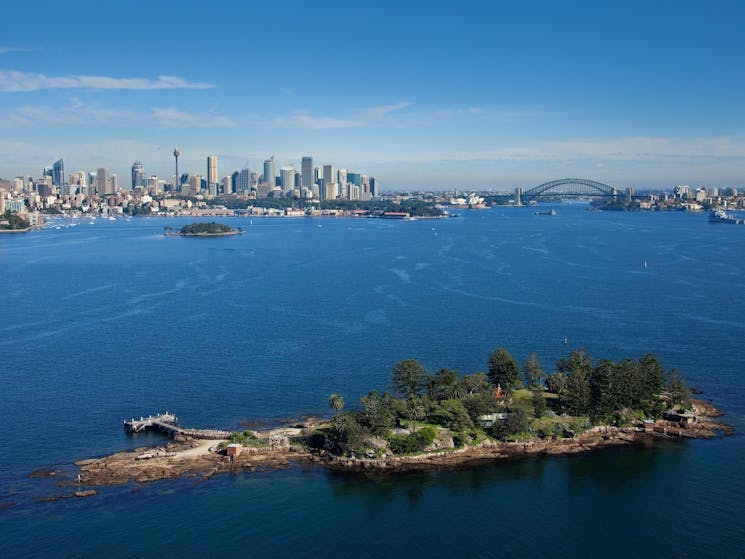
105	321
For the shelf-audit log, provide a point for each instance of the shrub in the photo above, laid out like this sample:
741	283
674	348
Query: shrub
414	442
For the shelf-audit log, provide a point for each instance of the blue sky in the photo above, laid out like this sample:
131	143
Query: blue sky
420	95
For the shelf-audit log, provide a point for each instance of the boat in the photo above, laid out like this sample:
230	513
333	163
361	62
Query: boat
549	212
721	216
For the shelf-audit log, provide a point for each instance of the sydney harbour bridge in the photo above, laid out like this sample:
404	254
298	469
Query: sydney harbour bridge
567	188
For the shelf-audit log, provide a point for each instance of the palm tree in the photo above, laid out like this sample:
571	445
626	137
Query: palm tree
415	410
336	402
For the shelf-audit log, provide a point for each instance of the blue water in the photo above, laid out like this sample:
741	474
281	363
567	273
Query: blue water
107	321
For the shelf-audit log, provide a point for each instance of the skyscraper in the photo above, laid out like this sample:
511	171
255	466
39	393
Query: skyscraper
243	181
307	170
212	169
341	178
269	172
58	173
328	173
287	178
374	187
138	175
103	185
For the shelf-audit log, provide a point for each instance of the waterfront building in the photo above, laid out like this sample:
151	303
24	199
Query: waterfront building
138	175
269	171
58	172
212	169
306	169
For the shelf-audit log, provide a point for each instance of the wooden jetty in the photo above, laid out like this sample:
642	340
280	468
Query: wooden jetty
168	423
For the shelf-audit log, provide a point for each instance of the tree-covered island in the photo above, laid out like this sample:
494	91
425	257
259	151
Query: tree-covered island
203	229
444	419
441	411
10	221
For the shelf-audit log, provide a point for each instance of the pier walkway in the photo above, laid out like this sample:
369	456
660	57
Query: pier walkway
168	423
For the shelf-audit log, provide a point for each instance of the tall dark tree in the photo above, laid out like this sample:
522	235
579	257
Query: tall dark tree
677	389
653	377
377	412
503	369
408	376
603	390
534	374
444	385
577	392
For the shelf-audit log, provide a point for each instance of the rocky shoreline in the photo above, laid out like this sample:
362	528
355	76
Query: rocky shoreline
202	459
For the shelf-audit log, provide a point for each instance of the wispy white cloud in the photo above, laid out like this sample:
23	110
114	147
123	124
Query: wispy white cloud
171	116
313	122
383	110
76	112
12	81
6	50
350	119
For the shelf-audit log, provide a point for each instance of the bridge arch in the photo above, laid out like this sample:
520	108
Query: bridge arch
569	187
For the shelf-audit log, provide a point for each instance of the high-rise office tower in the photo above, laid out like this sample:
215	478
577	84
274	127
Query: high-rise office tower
103	185
243	181
328	173
212	169
354	178
287	178
195	184
307	170
58	173
227	185
138	175
114	183
341	177
364	187
374	188
269	172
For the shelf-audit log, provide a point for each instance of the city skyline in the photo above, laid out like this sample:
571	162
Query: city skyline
488	96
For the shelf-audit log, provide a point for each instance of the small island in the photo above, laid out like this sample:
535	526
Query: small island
441	420
203	229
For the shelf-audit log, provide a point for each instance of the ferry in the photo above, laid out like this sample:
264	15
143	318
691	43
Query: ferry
549	212
720	216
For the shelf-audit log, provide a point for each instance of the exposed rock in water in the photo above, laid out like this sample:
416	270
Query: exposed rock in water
85	493
43	473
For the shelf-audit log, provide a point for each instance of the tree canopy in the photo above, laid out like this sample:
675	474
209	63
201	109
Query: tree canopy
503	369
408	376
